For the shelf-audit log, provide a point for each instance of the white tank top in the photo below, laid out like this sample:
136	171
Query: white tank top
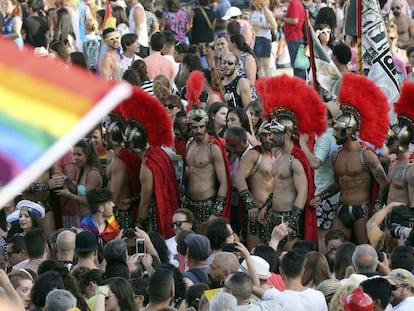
143	33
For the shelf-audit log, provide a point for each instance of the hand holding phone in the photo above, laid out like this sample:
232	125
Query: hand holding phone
140	247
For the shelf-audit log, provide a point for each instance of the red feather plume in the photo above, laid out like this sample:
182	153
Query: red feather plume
372	105
194	88
147	110
295	95
404	106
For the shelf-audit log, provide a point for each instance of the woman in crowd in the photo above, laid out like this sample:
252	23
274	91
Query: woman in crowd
175	20
64	31
115	295
213	86
247	67
316	269
324	33
217	114
13	22
22	282
122	24
173	105
78	59
264	23
254	112
238	117
162	87
180	50
90	176
141	68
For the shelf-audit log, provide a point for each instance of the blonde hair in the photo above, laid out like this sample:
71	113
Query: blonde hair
92	26
161	87
259	4
336	304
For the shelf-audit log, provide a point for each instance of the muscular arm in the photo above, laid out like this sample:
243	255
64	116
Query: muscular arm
118	175
377	171
147	190
245	167
409	175
243	89
300	182
220	168
314	161
105	67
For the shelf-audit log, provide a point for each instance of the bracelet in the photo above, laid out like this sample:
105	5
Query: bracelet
39	187
103	292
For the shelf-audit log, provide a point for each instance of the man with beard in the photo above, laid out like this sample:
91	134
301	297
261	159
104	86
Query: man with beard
122	173
110	65
401	172
405	25
207	171
356	166
402	289
254	181
237	89
293	185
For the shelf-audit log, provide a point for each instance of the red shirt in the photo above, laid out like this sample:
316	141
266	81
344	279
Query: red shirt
295	10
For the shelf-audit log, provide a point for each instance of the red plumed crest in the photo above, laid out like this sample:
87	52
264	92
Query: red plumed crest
194	88
148	111
372	105
405	104
295	95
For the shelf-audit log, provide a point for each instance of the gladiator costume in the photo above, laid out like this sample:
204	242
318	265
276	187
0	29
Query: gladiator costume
366	113
298	109
149	128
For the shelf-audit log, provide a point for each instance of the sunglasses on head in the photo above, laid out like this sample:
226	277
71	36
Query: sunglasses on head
228	62
178	223
393	8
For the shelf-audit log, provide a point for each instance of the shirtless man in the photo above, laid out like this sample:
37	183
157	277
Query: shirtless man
110	65
124	187
206	171
405	25
290	187
401	172
355	165
254	182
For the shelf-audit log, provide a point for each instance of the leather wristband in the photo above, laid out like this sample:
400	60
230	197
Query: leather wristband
268	202
294	217
218	205
247	199
39	187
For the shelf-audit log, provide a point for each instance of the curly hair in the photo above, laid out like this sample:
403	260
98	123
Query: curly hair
161	87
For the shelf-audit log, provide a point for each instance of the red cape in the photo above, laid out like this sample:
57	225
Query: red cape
180	147
310	222
133	164
165	188
222	145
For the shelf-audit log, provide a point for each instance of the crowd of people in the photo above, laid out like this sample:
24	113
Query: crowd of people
225	182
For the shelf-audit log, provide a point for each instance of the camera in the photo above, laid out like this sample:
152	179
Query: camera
398	231
229	247
129	233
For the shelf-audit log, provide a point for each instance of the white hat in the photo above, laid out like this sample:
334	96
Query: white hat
41	52
232	12
262	267
13	218
31	206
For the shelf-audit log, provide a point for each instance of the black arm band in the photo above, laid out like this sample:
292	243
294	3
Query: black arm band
294	217
247	199
327	193
268	202
218	205
39	187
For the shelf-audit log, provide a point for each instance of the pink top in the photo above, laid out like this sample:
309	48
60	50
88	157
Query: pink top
159	65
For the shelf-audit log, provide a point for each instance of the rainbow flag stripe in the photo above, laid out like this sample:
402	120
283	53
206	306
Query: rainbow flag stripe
45	108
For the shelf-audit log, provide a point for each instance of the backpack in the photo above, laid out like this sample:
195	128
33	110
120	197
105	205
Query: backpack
91	51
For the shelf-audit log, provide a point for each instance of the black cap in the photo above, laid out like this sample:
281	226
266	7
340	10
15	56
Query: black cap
86	242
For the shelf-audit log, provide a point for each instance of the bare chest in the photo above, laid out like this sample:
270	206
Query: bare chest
199	156
349	164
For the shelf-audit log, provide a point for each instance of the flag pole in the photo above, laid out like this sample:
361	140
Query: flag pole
311	54
359	34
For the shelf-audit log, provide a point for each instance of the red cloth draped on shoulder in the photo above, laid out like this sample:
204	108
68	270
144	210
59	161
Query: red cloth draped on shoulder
219	142
310	223
165	188
133	164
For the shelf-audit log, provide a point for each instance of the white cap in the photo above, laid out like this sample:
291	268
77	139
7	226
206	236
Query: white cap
31	206
13	218
232	12
262	267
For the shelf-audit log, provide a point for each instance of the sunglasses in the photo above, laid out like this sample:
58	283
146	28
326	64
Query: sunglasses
170	106
393	8
228	63
325	32
178	223
113	38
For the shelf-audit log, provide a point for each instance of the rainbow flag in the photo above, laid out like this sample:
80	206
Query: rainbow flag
45	108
